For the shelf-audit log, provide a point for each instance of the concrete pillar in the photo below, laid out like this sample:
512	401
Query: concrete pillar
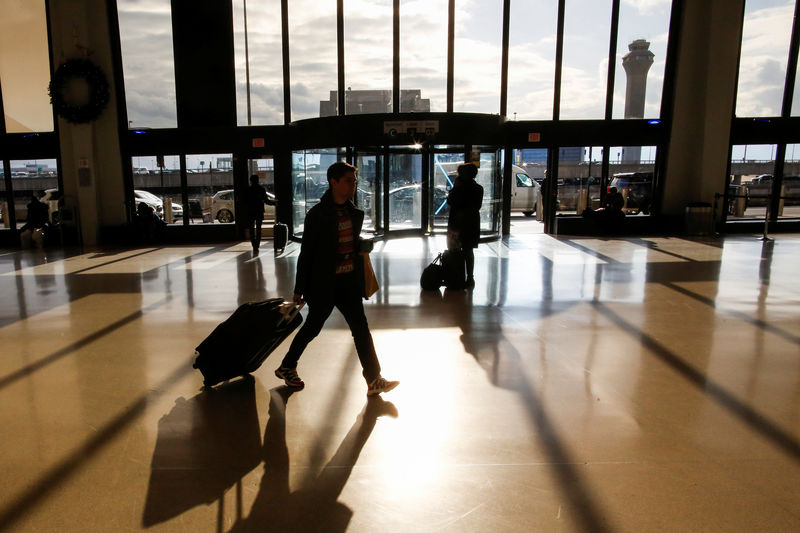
91	163
705	81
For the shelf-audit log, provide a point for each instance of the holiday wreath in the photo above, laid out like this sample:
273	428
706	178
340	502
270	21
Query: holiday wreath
79	91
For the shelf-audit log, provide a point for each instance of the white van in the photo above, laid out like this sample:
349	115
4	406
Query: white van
525	192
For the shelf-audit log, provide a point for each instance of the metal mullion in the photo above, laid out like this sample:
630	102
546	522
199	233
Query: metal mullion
504	61
287	94
791	67
340	54
612	59
122	110
559	58
396	56
451	30
604	170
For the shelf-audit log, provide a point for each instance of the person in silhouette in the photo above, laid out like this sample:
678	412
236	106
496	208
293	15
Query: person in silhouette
464	222
330	273
256	198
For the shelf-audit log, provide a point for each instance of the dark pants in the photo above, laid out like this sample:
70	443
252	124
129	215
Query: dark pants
469	260
255	231
347	299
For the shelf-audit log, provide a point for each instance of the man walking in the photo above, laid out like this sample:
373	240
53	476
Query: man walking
330	273
256	198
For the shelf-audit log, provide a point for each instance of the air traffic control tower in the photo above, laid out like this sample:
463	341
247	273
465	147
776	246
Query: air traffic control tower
637	63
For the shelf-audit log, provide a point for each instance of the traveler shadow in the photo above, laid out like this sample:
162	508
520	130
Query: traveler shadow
482	337
205	445
314	507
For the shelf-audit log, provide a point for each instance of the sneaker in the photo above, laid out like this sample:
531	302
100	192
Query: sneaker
380	385
290	377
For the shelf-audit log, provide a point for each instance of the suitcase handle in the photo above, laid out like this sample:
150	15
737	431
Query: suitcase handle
288	311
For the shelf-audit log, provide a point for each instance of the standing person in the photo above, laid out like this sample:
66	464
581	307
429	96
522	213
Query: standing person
256	198
465	200
330	274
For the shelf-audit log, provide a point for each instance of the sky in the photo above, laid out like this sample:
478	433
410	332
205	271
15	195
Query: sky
145	28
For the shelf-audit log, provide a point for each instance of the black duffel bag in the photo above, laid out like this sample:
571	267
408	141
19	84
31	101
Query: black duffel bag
433	276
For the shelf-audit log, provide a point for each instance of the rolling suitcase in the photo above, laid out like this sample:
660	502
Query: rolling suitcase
455	270
280	235
240	344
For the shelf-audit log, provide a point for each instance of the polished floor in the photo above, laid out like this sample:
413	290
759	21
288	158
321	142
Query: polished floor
631	384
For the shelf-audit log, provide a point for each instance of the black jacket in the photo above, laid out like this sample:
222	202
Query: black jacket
316	265
465	201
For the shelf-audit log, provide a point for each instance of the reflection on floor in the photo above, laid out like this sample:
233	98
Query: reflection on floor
639	384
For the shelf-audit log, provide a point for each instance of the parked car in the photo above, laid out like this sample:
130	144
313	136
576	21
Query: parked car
54	199
639	189
223	207
146	197
761	186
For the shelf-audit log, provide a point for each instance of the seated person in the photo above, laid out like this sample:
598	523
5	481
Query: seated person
611	215
148	224
38	219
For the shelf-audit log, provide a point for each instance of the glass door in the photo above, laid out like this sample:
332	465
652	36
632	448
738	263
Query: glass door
404	182
369	193
444	166
490	179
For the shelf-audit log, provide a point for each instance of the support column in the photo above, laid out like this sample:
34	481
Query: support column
91	163
705	83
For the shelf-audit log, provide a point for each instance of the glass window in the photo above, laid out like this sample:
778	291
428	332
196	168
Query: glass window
309	181
641	59
750	184
264	56
789	204
145	32
527	175
157	184
34	178
632	172
25	66
531	60
478	44
423	55
587	30
209	178
765	51
312	39
578	183
368	56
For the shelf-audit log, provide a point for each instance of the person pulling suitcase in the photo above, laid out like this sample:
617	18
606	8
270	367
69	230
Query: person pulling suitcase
330	274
